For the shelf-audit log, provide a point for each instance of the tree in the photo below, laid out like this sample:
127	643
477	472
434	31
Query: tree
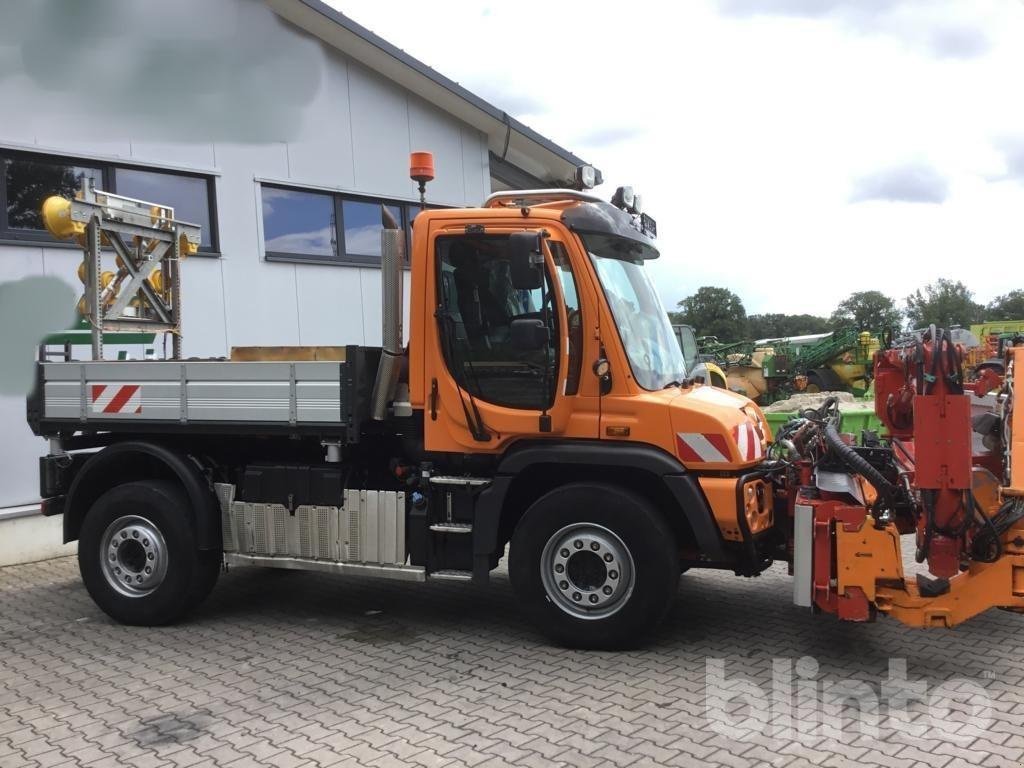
1009	306
29	183
780	326
867	311
944	303
714	312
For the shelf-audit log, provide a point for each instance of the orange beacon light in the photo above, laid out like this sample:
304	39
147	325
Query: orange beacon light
421	169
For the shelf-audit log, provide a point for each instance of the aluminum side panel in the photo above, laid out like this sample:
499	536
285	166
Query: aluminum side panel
318	401
238	401
369	528
194	391
62	399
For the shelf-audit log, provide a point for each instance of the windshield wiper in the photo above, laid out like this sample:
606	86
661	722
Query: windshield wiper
685	383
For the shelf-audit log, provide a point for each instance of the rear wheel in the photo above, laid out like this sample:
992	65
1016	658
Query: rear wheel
594	566
824	380
138	555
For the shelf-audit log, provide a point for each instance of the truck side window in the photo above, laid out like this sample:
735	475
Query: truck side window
476	306
563	269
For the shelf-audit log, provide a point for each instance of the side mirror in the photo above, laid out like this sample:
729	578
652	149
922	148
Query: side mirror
529	334
524	255
688	345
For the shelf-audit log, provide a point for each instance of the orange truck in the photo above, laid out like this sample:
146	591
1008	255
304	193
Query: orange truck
540	408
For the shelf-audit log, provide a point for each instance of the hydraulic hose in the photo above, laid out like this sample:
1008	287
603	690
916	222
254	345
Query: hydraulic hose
987	545
858	463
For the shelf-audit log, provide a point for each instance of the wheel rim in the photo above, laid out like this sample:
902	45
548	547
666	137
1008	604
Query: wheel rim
587	571
133	556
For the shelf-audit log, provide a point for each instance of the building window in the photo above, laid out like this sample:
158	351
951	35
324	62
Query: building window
27	179
189	196
299	224
303	225
363	227
411	211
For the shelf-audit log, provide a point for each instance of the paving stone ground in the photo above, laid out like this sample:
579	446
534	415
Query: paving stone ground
292	669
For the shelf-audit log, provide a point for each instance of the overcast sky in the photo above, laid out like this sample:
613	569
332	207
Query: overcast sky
790	150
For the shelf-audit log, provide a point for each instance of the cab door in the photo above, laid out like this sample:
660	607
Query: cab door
500	359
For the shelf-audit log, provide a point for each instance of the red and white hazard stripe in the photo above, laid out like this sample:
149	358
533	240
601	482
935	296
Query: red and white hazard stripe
747	441
116	398
710	447
702	447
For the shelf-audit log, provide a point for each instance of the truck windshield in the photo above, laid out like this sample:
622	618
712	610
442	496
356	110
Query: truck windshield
642	322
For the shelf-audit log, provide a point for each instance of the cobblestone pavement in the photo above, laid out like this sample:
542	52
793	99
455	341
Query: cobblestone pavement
294	669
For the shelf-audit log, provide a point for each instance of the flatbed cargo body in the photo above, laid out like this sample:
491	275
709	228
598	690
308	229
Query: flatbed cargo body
178	395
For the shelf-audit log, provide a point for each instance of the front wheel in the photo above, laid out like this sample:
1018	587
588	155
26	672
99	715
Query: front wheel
138	556
594	566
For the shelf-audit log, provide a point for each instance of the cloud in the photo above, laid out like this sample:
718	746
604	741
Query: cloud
364	241
605	136
940	29
809	8
1012	150
958	42
319	241
270	194
910	183
509	97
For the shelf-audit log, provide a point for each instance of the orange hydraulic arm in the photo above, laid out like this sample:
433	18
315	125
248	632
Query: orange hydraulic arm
968	523
1013	434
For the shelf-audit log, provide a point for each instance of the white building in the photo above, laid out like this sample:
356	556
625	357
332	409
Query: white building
279	126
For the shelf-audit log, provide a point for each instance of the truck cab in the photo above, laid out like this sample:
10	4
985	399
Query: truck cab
541	319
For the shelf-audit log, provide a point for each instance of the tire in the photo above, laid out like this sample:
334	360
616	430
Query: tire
141	533
600	527
824	380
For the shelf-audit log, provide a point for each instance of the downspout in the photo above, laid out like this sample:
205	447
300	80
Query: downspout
392	260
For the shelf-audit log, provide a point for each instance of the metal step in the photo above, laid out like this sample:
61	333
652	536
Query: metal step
451	575
396	572
452	528
458	480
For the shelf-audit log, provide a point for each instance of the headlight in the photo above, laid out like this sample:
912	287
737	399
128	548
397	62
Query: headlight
626	199
587	177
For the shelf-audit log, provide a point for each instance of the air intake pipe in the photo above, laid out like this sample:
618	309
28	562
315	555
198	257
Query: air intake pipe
392	260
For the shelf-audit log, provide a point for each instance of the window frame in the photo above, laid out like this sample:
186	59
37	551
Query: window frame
362	259
108	169
344	258
573	362
287	256
446	353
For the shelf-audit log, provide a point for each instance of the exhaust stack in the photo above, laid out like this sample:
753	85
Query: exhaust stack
392	257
